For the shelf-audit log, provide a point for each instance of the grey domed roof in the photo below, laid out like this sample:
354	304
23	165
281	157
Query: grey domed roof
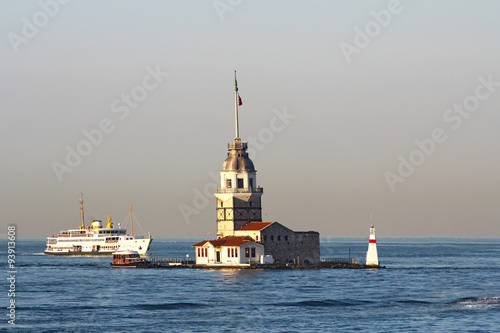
237	158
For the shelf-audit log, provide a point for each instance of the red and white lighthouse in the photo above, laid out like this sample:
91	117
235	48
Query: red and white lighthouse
371	254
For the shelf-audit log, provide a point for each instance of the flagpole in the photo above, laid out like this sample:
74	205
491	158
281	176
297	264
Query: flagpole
236	105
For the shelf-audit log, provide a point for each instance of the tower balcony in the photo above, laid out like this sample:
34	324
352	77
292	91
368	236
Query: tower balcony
237	145
219	190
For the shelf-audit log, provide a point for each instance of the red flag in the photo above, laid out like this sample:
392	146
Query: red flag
239	100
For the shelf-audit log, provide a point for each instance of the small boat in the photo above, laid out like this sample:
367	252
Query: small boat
95	239
128	259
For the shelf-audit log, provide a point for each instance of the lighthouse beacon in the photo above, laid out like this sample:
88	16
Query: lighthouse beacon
371	254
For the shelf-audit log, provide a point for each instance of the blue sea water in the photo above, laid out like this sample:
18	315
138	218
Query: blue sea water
429	285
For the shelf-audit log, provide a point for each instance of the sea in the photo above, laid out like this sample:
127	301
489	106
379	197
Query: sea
427	285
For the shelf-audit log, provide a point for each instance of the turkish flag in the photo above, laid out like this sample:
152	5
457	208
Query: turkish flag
239	100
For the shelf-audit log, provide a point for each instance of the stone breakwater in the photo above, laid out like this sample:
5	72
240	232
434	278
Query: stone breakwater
150	264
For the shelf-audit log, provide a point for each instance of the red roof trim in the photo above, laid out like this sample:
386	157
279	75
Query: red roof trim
226	241
255	226
201	243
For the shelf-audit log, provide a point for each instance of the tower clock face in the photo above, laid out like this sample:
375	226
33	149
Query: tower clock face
229	214
220	214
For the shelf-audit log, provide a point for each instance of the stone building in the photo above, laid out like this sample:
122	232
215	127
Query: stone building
239	209
284	244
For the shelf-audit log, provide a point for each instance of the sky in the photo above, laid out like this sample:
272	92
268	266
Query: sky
350	108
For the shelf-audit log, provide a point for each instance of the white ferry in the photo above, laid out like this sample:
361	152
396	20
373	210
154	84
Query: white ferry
96	240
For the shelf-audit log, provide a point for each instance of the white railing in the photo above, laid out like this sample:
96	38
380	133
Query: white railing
340	260
239	190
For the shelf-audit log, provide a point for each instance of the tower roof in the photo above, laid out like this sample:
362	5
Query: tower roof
255	226
237	157
226	241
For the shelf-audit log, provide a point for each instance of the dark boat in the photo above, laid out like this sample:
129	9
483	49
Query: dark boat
128	259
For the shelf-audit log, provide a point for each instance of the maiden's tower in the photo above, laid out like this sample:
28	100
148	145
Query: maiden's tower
242	236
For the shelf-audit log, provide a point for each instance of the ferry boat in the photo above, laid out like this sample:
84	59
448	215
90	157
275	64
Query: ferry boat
96	240
128	259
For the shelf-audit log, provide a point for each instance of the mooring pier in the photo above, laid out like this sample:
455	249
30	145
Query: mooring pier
349	263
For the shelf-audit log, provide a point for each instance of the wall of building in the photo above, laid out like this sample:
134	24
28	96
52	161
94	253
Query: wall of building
255	234
202	260
307	246
236	255
286	246
236	210
259	250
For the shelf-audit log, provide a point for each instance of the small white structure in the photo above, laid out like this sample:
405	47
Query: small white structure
371	254
228	251
266	259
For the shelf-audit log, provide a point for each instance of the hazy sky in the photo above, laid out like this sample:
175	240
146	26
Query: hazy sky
351	108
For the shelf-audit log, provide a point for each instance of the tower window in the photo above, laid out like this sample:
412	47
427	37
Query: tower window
279	238
228	183
272	237
240	183
250	182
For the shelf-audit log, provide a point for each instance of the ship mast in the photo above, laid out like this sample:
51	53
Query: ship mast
81	208
131	222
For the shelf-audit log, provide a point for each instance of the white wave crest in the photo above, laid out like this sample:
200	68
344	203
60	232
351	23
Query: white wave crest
480	303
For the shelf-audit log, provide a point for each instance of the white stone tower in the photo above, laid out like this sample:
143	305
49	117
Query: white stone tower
238	197
371	254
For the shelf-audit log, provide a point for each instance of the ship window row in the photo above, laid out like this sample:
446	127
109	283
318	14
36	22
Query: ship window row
88	239
110	232
61	248
72	240
232	252
73	232
125	256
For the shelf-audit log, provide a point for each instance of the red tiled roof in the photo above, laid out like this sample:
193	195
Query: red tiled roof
227	241
201	243
255	225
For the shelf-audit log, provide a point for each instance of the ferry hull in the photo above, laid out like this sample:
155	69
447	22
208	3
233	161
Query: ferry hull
140	245
76	253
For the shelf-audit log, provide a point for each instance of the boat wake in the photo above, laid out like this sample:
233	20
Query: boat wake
324	303
483	303
168	306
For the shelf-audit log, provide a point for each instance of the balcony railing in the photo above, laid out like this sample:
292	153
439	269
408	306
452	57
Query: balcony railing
239	190
237	145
